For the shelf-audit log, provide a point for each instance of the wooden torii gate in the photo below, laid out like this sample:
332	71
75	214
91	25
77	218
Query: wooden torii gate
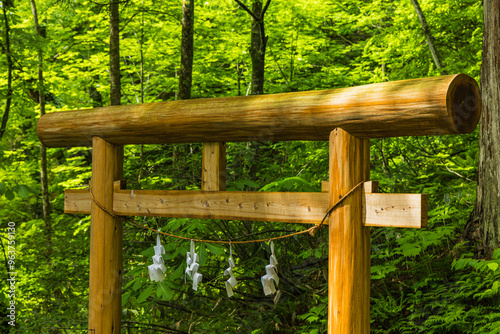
346	117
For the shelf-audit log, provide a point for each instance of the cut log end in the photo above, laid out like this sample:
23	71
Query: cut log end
464	103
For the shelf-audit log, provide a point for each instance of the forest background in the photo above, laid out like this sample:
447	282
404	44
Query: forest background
433	280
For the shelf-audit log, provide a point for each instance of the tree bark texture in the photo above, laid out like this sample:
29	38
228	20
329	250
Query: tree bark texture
186	72
258	49
428	36
487	207
5	117
114	53
43	150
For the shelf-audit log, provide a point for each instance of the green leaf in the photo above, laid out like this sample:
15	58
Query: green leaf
3	188
23	191
203	254
495	287
410	249
9	194
496	254
166	292
460	264
137	285
178	272
125	297
145	293
493	266
215	249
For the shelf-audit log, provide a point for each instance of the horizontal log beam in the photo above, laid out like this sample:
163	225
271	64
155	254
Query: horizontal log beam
390	210
430	106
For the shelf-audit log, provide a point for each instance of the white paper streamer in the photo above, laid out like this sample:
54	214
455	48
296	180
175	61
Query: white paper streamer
192	267
271	273
157	269
231	282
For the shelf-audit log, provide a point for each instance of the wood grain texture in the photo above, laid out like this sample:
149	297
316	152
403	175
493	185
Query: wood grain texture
395	210
349	244
429	106
368	186
307	208
382	210
106	234
213	166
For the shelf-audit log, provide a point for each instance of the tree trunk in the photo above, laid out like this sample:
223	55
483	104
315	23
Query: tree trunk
487	208
258	44
258	49
186	72
43	150
5	116
427	33
114	53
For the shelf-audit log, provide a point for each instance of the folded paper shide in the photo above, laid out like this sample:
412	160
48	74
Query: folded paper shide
192	267
231	282
157	269
271	274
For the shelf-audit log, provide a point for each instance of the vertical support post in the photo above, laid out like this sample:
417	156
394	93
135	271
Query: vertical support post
349	248
106	234
213	175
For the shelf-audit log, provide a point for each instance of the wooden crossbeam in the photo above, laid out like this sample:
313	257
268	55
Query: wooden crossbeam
389	210
395	210
428	106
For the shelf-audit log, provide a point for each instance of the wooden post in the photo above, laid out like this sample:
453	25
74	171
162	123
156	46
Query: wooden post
106	233
349	249
213	175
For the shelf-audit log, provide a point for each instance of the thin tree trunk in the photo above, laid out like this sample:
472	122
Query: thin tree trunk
487	208
141	168
428	36
142	52
186	72
114	53
5	116
258	44
43	150
258	49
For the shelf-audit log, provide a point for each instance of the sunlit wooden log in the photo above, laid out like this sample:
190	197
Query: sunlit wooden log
430	106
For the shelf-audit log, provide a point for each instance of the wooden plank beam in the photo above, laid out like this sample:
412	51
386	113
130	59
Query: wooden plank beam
430	106
307	208
395	210
77	201
382	210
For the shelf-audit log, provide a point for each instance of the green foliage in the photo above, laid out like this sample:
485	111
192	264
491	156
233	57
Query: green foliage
423	281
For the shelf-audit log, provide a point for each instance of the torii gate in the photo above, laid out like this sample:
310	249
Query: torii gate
347	117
